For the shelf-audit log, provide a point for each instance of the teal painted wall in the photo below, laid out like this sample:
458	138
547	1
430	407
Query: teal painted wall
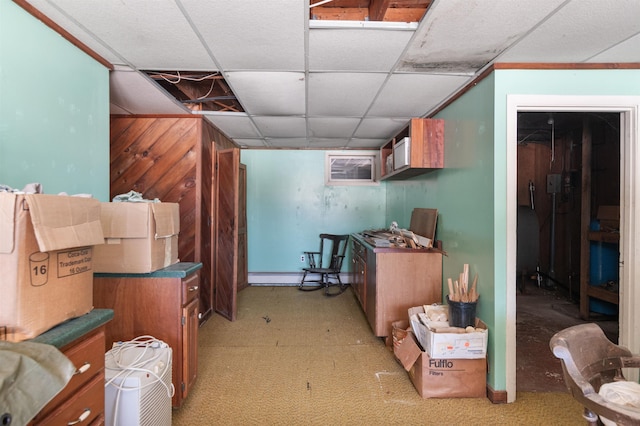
470	193
463	193
54	110
289	205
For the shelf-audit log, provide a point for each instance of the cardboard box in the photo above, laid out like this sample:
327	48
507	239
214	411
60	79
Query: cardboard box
444	377
46	261
449	345
139	237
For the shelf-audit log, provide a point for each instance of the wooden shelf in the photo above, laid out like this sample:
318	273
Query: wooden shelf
605	237
425	154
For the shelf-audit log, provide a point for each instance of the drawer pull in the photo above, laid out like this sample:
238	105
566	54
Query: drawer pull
86	413
193	288
83	369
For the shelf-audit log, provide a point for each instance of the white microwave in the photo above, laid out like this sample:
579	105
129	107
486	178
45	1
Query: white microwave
401	153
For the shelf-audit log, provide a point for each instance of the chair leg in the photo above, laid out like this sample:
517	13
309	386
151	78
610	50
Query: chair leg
318	284
341	287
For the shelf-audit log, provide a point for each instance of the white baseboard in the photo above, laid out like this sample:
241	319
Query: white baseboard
283	279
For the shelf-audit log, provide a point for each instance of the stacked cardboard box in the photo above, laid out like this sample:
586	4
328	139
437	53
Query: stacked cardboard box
441	364
139	237
46	259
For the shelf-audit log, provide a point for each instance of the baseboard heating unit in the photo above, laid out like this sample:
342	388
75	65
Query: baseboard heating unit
138	387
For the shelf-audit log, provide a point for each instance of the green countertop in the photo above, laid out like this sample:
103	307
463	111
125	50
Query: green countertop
180	270
70	330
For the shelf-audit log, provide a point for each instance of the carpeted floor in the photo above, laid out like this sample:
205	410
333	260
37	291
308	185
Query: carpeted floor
295	357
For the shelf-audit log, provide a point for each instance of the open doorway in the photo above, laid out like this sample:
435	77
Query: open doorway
627	108
568	170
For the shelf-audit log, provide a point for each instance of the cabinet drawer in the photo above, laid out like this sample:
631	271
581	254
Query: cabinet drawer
81	409
190	288
88	358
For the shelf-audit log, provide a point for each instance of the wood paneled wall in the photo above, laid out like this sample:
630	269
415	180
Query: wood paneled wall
171	158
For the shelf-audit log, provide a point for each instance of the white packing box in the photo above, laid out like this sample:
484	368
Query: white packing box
443	344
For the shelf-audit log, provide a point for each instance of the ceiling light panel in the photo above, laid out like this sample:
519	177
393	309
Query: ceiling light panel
269	93
462	36
252	34
344	94
147	34
413	95
564	37
360	49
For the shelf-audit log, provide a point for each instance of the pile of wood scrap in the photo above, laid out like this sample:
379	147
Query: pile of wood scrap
459	290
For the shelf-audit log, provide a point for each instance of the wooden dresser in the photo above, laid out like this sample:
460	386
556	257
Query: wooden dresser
82	400
162	304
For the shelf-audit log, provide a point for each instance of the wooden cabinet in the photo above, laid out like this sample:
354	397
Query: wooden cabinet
163	304
359	259
395	279
172	158
81	340
420	145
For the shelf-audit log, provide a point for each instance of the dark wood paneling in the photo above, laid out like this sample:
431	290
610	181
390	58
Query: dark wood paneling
156	156
171	158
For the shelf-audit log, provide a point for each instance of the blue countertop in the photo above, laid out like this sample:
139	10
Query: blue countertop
65	333
180	270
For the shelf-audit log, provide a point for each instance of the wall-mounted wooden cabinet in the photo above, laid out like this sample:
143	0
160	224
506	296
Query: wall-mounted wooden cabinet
417	149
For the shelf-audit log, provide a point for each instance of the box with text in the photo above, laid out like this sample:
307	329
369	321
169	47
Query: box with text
46	258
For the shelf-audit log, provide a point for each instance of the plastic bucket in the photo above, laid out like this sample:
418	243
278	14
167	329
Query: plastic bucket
462	314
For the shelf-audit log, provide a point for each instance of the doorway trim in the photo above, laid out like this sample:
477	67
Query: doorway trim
628	107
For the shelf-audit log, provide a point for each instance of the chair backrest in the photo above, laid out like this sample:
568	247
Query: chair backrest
333	248
589	359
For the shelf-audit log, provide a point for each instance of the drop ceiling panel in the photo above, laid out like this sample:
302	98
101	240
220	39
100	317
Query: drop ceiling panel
254	34
629	49
269	93
233	124
366	143
384	128
72	27
564	37
332	127
288	143
343	94
147	34
327	143
250	143
281	127
356	49
413	95
134	93
462	36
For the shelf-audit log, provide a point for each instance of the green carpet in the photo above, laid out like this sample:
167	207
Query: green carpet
296	357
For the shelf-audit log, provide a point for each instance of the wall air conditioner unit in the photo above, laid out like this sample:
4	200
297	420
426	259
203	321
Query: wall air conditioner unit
138	387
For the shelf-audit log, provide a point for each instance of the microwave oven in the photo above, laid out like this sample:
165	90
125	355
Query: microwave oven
401	153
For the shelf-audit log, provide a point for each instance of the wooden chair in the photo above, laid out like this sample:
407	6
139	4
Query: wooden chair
589	360
325	265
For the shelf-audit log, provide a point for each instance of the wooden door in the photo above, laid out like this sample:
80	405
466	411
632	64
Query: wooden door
226	259
243	273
